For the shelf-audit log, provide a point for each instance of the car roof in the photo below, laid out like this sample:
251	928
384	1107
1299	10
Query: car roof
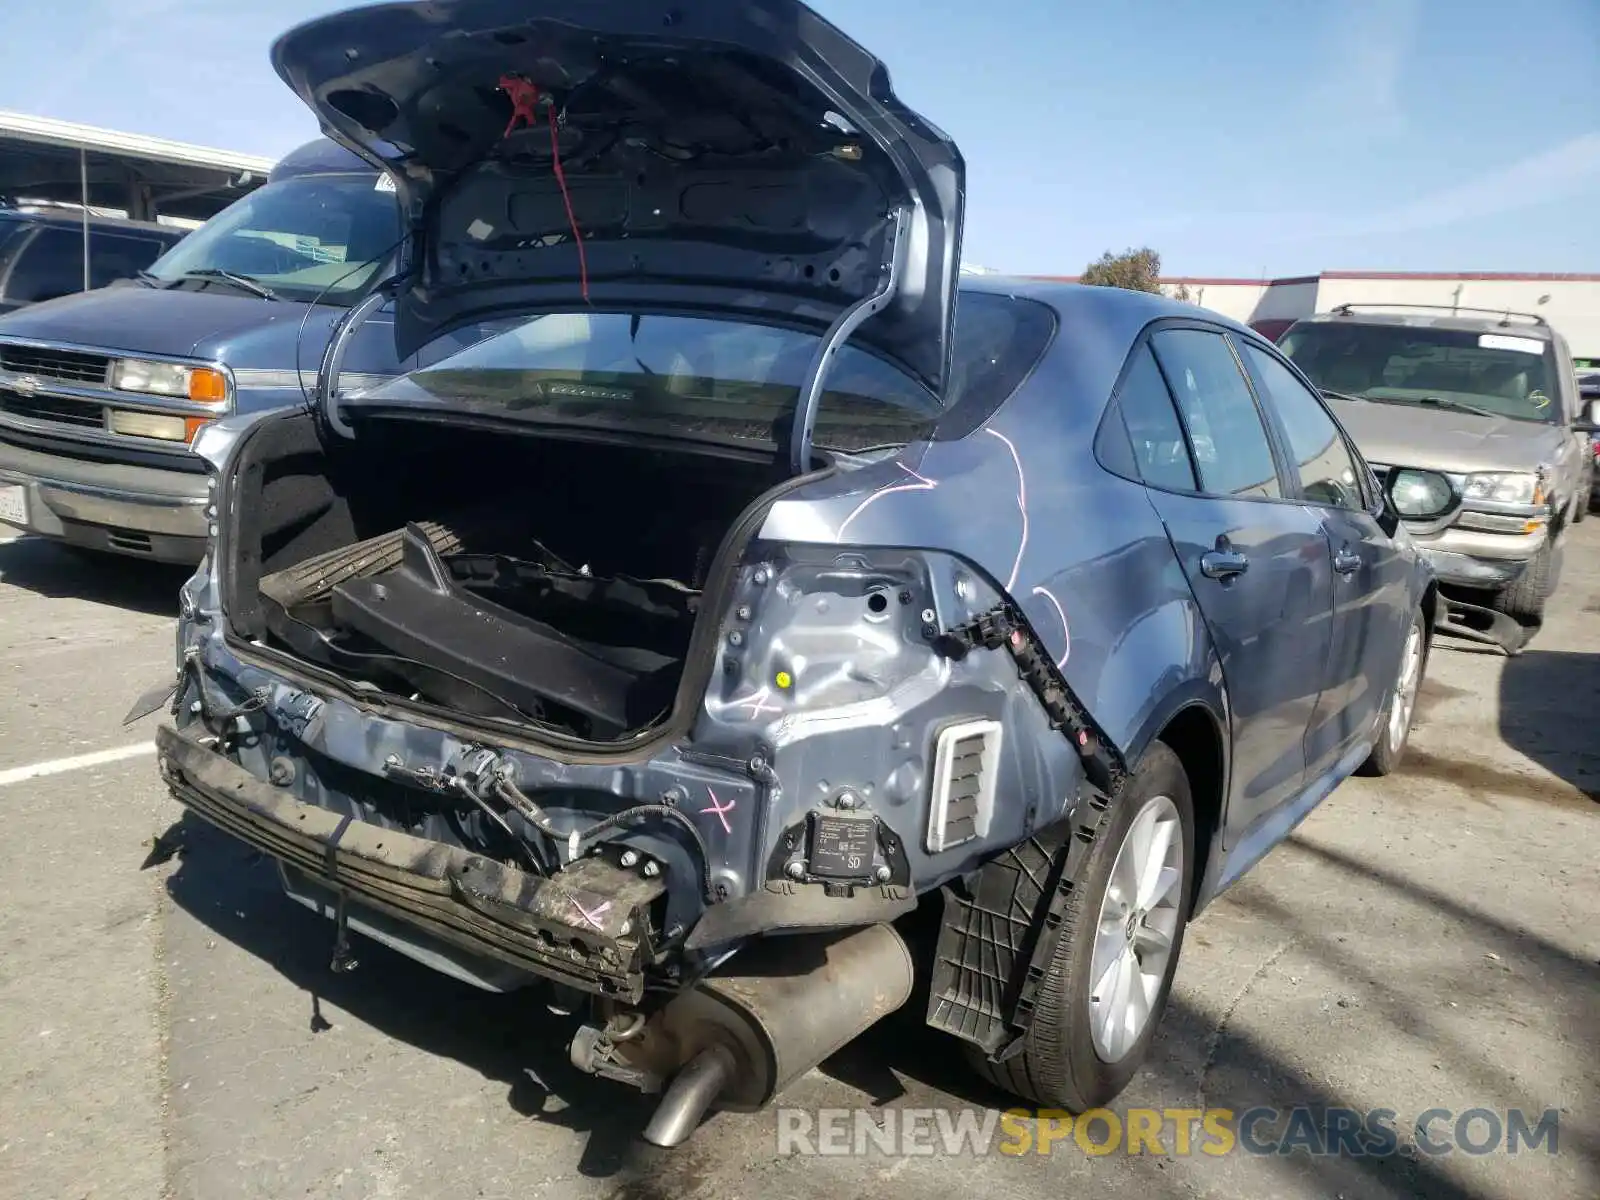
1486	321
1113	311
74	220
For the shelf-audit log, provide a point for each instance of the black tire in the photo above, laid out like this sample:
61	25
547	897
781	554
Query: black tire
1525	599
1058	1066
1390	749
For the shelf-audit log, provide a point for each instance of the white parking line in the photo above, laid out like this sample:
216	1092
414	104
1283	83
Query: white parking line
58	765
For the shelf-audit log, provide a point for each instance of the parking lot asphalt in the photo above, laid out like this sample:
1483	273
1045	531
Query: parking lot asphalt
171	1028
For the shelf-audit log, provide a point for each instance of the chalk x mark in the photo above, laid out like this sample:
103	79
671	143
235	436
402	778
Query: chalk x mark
720	809
591	915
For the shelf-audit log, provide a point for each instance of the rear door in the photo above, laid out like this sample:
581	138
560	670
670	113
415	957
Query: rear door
1370	616
1257	561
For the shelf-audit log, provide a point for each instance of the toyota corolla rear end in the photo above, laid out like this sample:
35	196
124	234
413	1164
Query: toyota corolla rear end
487	659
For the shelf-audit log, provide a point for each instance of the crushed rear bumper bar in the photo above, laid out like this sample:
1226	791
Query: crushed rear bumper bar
587	926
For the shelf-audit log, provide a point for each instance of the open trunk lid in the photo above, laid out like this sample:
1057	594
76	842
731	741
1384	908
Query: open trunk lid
739	158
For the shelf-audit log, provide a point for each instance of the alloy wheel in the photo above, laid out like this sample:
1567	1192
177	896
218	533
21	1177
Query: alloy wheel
1406	686
1137	927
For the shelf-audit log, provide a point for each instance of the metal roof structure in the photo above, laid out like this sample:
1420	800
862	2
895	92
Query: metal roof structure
45	159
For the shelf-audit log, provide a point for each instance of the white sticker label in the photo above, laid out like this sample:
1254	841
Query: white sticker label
1500	341
385	183
479	229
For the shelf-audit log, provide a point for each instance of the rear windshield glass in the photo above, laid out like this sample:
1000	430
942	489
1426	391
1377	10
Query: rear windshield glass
308	237
1502	373
725	379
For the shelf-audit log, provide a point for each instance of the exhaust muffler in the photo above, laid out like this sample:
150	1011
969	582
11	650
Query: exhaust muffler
739	1037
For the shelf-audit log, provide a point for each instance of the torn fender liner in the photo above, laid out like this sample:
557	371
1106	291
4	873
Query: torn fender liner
568	927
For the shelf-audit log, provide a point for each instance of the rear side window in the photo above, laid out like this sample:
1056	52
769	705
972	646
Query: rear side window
1160	454
51	265
998	341
1231	448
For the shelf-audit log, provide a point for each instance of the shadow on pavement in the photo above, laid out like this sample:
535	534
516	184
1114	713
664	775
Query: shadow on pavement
1549	705
510	1039
56	571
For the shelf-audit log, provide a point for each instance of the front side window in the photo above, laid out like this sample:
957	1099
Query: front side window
1328	473
720	377
1231	448
114	256
307	238
1500	374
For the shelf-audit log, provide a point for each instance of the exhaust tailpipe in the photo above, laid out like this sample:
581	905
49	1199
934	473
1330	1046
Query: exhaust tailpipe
784	1005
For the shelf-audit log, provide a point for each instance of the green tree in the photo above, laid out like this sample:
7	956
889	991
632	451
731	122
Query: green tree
1137	270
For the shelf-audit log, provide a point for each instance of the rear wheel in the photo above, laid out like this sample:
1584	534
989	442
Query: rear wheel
1108	980
1394	730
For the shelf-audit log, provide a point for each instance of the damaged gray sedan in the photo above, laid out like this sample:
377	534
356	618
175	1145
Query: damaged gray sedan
764	580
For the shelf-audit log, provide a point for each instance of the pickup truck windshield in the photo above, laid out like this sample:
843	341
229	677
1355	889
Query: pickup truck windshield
1499	374
666	374
292	239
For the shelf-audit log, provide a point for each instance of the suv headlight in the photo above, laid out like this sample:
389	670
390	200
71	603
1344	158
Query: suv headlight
206	385
1420	493
1505	488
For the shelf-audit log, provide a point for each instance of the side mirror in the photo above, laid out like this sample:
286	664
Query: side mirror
1588	416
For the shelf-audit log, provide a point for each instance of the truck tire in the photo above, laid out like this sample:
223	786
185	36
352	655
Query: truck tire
1065	1061
1525	599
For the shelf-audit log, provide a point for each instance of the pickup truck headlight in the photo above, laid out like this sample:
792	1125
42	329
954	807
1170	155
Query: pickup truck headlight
1505	488
206	385
1420	493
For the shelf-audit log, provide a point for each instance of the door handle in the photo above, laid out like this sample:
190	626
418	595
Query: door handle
1223	564
1347	561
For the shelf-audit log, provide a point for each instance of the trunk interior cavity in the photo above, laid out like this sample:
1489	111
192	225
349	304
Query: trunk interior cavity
501	574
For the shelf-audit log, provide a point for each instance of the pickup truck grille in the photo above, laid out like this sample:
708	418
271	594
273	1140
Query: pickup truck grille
70	365
82	413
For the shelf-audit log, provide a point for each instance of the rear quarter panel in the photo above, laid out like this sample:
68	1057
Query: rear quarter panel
1080	551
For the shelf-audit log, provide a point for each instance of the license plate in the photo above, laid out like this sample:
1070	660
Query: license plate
14	505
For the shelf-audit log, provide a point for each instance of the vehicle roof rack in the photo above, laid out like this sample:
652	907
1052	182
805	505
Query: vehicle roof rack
1505	314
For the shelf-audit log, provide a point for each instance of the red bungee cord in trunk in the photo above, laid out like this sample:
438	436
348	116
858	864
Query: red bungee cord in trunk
525	98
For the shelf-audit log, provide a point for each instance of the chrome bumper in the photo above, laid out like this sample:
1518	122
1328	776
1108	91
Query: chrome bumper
143	511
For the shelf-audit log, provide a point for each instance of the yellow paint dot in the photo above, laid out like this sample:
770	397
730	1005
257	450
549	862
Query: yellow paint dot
784	679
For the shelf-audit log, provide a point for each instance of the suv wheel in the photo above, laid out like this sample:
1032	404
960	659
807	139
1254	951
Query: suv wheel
1107	984
1525	599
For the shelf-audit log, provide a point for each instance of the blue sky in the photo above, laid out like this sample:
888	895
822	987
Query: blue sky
1234	136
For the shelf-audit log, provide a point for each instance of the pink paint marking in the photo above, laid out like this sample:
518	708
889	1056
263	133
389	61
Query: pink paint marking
1022	504
922	484
1066	631
720	809
593	917
757	703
